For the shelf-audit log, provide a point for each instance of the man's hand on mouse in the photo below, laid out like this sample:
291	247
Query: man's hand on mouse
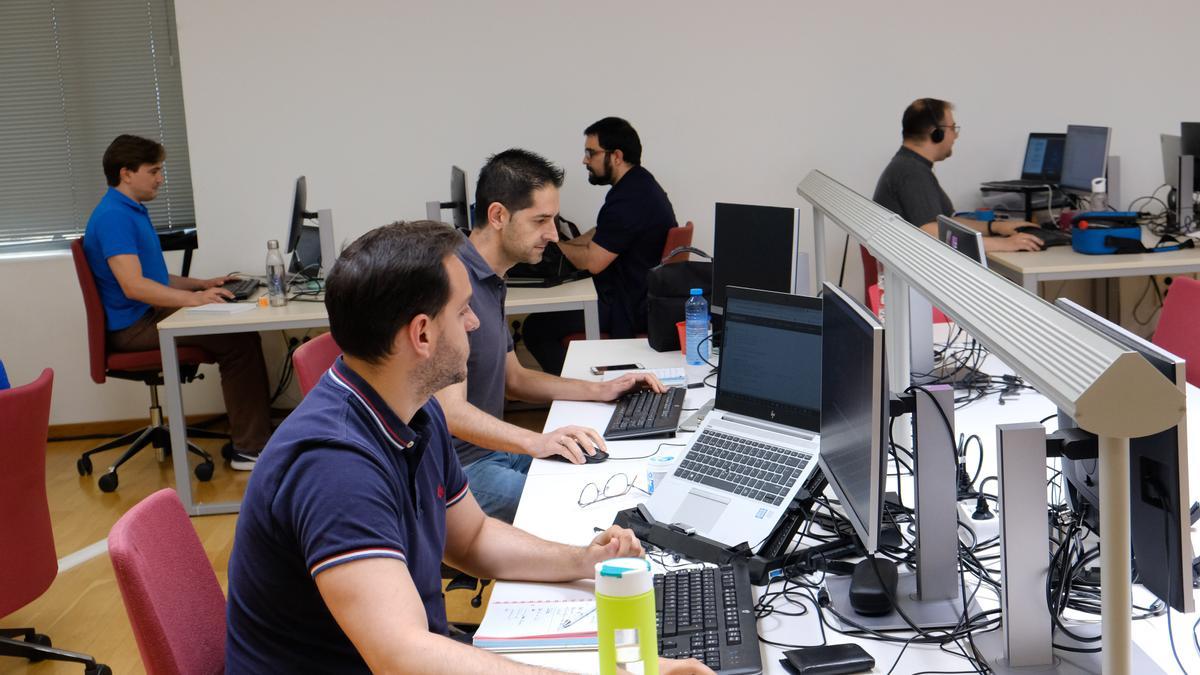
572	442
210	295
614	389
1021	241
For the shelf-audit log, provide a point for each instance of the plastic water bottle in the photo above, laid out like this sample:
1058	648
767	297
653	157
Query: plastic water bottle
625	606
695	314
1099	197
276	279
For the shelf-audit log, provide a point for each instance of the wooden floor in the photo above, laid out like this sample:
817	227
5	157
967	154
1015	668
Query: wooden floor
82	611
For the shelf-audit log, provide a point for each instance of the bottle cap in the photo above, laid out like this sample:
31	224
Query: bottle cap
1099	185
624	577
273	243
697	291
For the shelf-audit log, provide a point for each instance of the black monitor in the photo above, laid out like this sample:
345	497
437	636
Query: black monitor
1189	144
965	240
854	411
1085	157
753	247
460	217
1160	522
303	242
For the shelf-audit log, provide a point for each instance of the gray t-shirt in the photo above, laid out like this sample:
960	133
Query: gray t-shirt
908	187
490	344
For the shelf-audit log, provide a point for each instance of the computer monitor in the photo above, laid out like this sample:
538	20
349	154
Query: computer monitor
961	238
1160	521
1043	157
1171	150
459	213
1189	144
753	247
1085	157
303	242
854	411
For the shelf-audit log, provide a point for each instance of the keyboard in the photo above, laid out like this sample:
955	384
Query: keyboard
1018	184
241	288
740	466
1049	237
708	614
646	414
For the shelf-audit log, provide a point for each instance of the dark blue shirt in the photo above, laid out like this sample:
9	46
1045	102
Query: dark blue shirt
342	479
3	377
490	344
633	224
119	226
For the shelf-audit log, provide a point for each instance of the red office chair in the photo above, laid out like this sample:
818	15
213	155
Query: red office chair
312	359
1178	329
171	594
28	560
144	367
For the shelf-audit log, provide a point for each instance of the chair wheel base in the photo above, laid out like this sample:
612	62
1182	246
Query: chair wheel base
38	639
84	466
97	669
108	482
204	471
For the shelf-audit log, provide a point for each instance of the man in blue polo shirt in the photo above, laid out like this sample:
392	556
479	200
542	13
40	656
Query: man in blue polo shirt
516	203
131	275
628	240
360	496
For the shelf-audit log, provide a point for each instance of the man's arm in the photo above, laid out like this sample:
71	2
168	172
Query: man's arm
534	386
378	607
587	254
193	284
128	271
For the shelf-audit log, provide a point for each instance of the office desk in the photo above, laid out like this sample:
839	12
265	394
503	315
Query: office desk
549	509
579	294
1027	268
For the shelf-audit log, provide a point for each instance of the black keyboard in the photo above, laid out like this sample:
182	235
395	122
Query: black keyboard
708	614
241	288
1049	237
645	414
1017	185
740	466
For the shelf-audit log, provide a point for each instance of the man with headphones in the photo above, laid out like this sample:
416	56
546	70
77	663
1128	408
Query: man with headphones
908	186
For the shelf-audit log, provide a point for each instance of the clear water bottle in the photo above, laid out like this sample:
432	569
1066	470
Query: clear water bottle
276	275
1099	196
695	313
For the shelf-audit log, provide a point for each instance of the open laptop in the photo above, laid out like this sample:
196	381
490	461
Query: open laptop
1043	163
759	445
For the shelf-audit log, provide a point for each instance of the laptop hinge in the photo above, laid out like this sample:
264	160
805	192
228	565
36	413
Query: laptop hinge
773	427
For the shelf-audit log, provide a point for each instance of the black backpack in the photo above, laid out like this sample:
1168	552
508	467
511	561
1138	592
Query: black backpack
668	286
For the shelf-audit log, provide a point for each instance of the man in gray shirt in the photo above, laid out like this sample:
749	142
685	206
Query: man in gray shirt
909	188
516	205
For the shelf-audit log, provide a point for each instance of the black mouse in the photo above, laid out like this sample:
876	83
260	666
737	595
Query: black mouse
600	456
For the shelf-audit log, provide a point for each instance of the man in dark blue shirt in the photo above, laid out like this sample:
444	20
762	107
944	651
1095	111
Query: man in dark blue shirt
628	240
359	496
516	204
131	275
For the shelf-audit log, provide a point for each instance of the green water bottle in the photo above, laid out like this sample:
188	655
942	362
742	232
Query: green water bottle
625	615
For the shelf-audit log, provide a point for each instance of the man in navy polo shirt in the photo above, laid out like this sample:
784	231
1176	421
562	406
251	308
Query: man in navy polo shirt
131	275
359	495
516	204
628	240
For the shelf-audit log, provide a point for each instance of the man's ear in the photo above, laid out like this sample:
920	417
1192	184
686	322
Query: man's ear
618	156
416	334
497	214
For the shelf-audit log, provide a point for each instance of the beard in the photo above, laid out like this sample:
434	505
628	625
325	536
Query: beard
517	251
601	178
448	366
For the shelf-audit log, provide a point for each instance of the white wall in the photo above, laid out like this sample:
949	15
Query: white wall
373	100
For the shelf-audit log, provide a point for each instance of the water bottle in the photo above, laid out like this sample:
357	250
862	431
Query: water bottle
695	313
1099	198
276	279
625	620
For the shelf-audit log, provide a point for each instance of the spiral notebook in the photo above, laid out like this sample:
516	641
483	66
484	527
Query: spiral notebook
538	625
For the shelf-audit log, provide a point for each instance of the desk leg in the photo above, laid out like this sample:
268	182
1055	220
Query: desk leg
175	420
1030	282
591	319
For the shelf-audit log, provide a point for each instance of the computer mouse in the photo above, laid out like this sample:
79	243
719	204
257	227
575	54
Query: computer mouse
596	458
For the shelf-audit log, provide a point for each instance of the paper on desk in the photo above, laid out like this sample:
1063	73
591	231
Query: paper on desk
534	625
671	377
224	308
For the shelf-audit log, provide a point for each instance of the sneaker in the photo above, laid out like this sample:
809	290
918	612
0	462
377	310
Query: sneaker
243	461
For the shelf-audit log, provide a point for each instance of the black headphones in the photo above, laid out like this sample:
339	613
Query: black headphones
938	134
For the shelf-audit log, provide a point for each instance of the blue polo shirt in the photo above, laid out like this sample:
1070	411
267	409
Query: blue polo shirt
119	226
342	479
633	224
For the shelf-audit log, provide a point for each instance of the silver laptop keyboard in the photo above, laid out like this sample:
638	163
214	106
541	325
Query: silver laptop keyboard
753	469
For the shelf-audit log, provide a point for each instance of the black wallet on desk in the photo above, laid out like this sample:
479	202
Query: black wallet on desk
828	660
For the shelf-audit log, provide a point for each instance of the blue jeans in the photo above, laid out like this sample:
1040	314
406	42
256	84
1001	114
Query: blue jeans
496	481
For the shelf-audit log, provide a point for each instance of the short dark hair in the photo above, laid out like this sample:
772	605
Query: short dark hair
383	280
922	116
614	133
511	177
130	152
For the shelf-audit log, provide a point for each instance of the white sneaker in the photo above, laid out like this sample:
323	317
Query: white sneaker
242	461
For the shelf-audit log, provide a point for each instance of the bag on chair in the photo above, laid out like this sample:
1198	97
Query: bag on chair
668	287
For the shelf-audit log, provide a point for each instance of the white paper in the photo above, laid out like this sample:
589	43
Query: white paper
671	377
224	308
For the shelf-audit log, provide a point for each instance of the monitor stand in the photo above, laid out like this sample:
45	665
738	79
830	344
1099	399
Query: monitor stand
945	613
991	647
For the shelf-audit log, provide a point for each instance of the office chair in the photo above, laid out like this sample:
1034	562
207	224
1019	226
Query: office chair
311	360
1178	329
144	366
677	237
171	593
28	560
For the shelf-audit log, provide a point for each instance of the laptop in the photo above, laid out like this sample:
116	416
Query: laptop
1043	163
759	445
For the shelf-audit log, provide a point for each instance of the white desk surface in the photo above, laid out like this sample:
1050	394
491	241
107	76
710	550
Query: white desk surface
549	509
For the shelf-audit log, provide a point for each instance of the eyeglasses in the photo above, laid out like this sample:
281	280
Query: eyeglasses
955	127
589	153
617	485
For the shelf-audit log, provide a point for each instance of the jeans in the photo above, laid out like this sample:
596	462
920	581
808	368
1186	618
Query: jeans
496	481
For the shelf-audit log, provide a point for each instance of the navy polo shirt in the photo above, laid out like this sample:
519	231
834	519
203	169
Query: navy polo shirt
633	224
342	479
119	226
